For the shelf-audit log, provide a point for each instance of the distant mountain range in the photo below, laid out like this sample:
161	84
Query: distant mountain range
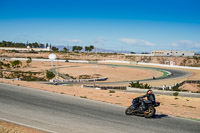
101	50
98	50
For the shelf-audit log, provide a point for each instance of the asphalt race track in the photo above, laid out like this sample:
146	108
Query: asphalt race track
174	74
66	114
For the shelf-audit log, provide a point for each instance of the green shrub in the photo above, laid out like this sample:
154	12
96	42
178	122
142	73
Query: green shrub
111	91
139	85
83	97
175	94
49	74
176	88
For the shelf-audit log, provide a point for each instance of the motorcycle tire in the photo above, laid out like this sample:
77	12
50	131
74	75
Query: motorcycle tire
150	112
129	110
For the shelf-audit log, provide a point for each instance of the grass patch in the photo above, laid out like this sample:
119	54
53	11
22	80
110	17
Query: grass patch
198	120
175	94
83	97
111	91
198	85
67	85
189	106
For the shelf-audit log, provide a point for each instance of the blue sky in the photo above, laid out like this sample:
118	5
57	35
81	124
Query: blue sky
134	25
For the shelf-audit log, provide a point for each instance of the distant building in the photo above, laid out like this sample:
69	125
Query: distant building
172	53
26	49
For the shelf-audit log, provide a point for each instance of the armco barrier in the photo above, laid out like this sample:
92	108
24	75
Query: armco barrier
106	87
81	80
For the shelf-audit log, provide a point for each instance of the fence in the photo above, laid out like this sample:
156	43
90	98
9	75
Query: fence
106	87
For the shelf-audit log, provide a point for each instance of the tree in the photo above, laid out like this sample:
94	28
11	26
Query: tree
74	48
77	48
7	65
54	49
35	45
47	45
89	48
1	64
41	45
144	53
49	75
30	45
65	49
86	48
16	63
29	61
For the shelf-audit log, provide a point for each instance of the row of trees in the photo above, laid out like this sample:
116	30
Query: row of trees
40	45
23	45
79	48
75	48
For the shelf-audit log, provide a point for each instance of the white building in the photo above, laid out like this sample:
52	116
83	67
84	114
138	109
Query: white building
172	53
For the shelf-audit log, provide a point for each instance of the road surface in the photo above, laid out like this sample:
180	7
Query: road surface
174	74
67	114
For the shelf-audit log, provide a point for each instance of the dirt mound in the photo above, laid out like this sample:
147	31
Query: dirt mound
191	87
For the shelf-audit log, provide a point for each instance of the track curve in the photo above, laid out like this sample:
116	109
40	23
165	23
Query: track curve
174	74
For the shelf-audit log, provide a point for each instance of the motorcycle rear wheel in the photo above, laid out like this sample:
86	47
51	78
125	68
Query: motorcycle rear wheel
150	112
129	110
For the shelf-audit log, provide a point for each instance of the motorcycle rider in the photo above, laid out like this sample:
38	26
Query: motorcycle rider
150	97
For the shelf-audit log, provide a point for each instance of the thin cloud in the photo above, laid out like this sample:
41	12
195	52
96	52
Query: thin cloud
132	41
69	41
186	43
74	41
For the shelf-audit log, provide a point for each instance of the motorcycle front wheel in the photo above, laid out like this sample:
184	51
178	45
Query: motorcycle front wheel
150	112
129	110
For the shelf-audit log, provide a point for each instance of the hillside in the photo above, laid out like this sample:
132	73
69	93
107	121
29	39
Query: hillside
182	61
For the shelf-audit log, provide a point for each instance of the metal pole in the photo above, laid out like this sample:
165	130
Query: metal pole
51	62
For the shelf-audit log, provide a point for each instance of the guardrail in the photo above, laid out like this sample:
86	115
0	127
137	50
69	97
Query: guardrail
79	80
106	87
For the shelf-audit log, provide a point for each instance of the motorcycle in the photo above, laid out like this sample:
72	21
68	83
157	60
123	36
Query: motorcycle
143	107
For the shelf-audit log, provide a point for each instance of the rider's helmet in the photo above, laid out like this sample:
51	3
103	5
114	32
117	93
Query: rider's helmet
149	92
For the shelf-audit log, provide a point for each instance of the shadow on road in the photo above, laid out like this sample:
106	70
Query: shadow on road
159	116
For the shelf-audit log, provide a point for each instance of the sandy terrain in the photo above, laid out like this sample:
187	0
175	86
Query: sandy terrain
184	61
191	87
113	73
6	127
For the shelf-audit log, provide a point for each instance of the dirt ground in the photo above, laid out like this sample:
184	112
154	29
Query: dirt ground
113	73
191	87
6	127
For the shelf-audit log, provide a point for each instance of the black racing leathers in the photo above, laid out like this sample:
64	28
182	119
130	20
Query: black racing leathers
150	97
